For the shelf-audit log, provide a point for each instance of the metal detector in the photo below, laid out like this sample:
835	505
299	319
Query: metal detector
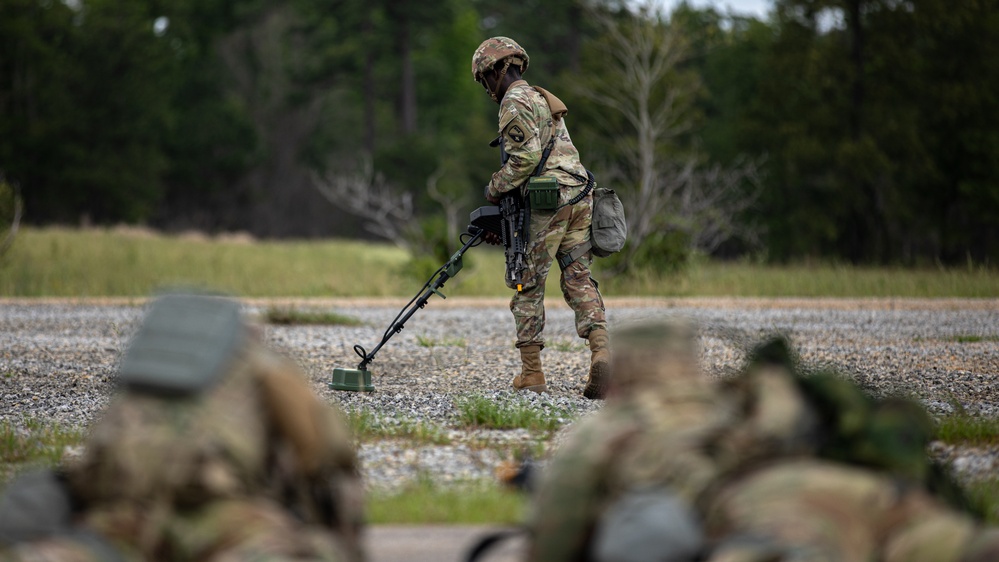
483	219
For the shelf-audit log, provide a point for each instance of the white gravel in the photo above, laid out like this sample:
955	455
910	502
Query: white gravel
57	362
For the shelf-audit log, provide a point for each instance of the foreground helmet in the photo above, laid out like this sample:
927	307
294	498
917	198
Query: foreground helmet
494	50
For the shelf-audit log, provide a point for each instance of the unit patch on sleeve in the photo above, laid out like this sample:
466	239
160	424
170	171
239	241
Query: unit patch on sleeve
516	134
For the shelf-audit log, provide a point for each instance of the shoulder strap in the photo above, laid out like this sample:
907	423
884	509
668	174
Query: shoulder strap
544	155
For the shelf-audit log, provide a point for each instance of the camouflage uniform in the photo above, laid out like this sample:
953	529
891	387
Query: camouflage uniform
528	117
253	468
742	460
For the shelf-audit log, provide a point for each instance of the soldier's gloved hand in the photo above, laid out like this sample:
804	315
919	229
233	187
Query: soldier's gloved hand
489	197
491	238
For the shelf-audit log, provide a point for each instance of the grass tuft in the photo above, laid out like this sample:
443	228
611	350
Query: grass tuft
424	341
479	411
34	442
965	338
295	317
566	346
963	428
365	426
427	501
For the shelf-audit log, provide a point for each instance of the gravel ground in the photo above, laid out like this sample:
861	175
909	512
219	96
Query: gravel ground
57	362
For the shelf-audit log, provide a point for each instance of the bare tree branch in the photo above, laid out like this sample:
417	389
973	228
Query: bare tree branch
452	205
643	84
388	212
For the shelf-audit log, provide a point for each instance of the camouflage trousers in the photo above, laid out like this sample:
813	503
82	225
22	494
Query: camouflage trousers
553	234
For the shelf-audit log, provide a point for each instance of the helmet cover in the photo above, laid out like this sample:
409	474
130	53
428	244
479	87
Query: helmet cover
495	50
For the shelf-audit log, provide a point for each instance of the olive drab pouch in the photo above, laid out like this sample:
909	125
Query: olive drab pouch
609	230
542	192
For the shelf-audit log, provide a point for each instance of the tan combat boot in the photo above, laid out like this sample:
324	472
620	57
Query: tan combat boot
599	379
530	377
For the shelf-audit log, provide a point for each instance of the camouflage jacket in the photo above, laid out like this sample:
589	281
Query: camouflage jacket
528	117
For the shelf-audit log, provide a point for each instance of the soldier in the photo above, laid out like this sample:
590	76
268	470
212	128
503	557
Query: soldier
214	449
770	467
531	119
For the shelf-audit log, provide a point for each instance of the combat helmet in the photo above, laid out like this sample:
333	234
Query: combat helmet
495	50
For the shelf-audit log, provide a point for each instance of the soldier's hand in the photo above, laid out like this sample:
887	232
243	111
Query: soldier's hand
489	197
491	238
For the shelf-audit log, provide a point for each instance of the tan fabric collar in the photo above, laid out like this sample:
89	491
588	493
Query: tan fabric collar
556	105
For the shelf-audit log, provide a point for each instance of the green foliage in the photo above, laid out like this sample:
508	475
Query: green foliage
291	316
479	411
662	252
879	133
431	501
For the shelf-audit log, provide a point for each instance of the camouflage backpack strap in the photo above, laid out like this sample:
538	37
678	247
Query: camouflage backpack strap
183	345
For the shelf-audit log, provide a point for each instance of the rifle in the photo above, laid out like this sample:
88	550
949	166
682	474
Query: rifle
514	227
515	234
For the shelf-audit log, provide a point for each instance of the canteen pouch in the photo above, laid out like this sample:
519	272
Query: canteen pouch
542	192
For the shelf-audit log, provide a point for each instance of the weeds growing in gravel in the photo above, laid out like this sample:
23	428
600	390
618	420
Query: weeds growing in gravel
424	341
366	426
293	316
427	501
479	411
34	442
566	345
966	338
964	428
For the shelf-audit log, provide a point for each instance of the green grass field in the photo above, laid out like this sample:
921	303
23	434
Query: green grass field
58	262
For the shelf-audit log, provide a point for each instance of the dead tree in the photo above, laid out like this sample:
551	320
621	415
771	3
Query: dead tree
641	81
388	212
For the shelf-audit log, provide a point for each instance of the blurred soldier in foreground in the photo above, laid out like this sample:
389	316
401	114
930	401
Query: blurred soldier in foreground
215	449
768	467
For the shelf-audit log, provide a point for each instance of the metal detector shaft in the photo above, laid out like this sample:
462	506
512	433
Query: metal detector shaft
447	271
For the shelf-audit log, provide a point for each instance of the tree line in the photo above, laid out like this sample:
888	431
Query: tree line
856	130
